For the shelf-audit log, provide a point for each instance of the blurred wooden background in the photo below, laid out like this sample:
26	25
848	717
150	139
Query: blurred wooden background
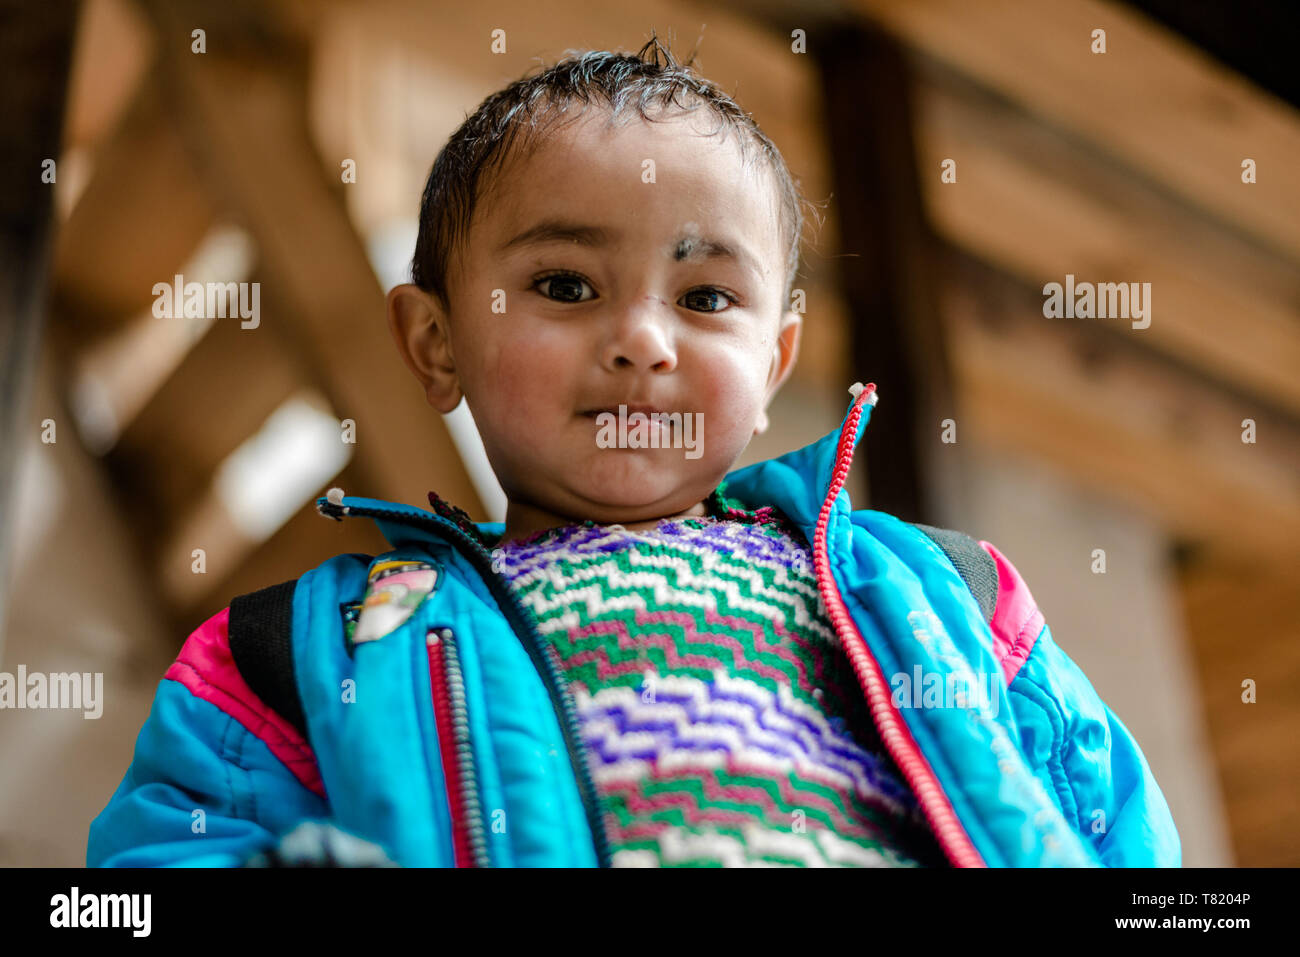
1115	167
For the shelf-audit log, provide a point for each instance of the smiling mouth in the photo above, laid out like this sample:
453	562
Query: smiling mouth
647	410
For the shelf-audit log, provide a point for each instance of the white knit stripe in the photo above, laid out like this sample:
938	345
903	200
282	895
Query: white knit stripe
690	590
544	563
784	580
838	850
657	564
634	858
707	545
761	841
816	848
678	845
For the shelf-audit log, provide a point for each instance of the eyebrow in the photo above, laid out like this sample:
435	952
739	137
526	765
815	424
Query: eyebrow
684	247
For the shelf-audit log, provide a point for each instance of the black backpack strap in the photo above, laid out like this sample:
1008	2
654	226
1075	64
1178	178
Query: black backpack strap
975	566
261	642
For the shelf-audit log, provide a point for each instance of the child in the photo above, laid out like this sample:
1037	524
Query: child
654	660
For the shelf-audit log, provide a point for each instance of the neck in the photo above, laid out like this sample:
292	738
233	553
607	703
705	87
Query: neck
523	519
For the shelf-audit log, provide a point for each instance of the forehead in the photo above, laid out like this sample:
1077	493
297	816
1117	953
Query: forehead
638	182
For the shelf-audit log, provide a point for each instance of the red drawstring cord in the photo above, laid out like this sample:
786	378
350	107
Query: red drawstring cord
952	837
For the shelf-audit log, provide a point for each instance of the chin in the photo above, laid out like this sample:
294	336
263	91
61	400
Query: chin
628	484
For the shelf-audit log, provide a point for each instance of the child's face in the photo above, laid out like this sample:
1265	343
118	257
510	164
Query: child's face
640	317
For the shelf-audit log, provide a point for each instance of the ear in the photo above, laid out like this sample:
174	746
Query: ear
784	354
420	328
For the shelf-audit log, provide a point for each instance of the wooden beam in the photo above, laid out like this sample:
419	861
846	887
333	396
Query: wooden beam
407	74
110	62
36	48
895	333
1263	825
1152	101
1243	622
1120	421
242	108
231	372
139	219
1036	204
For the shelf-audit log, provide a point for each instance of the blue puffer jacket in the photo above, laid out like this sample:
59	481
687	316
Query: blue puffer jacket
452	739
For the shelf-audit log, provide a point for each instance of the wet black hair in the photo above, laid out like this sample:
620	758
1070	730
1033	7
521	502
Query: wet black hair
516	117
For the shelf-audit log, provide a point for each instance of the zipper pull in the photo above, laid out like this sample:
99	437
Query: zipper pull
858	388
333	500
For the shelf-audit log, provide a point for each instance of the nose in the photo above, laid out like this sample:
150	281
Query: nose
639	338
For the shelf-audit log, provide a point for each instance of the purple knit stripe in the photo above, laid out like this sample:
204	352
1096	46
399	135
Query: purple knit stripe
789	749
842	755
848	753
757	705
741	542
747	542
868	777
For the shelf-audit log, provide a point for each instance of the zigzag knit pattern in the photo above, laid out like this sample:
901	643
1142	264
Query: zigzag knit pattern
722	721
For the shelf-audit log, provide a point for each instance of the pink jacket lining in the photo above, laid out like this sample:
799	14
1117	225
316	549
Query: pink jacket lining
206	667
1017	622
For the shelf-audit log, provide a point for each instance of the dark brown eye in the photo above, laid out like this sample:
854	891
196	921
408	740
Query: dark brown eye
707	299
563	287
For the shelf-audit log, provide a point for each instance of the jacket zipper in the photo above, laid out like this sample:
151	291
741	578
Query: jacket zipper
469	838
542	654
948	830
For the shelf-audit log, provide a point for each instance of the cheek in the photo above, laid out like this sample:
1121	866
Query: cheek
509	375
733	383
524	371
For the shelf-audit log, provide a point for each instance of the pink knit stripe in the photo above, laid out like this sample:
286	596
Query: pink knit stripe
206	667
663	641
740	792
1017	622
690	633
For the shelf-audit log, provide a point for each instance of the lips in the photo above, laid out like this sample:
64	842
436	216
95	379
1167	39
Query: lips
647	410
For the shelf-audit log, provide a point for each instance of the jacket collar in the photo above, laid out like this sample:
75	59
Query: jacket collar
794	484
797	483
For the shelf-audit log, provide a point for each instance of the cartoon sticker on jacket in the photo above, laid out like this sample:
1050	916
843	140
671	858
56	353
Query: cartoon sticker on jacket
395	589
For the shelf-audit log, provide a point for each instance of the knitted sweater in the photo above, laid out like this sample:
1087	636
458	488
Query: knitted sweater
723	722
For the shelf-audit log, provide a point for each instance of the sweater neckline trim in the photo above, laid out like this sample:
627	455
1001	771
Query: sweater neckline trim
719	505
